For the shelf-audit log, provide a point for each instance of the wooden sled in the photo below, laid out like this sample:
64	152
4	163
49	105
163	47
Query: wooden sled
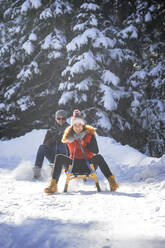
92	175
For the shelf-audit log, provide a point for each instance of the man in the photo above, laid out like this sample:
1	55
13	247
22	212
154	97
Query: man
52	144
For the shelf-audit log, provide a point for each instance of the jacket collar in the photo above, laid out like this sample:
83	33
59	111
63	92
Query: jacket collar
76	136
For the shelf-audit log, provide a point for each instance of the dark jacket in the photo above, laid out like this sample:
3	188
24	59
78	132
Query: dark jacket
54	135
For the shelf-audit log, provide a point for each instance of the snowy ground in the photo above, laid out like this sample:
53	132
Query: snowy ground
134	216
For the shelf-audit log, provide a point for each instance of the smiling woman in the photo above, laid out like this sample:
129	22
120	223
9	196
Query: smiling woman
83	149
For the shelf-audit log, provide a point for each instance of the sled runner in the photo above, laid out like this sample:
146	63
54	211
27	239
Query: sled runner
91	175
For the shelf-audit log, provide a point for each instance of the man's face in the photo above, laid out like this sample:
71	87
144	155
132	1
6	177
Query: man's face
61	120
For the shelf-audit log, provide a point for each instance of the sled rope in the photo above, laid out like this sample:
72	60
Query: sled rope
86	160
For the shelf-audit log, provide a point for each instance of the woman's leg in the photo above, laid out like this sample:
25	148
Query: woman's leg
98	160
60	161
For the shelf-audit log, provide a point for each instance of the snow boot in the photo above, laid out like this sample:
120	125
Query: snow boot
36	172
52	188
113	184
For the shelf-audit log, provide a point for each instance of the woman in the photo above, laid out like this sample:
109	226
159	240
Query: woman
82	144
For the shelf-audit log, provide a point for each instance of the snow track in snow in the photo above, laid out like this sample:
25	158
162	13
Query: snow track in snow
134	216
81	217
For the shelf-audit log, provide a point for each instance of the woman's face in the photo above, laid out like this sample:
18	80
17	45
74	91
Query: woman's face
77	127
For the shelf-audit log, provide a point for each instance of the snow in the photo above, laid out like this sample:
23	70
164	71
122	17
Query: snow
121	55
56	42
129	31
8	94
28	4
28	47
95	35
46	13
109	77
90	6
28	71
65	97
84	85
134	216
84	62
156	70
103	120
148	17
108	98
33	37
25	102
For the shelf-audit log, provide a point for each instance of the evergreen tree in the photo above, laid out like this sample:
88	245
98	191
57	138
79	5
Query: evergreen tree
147	82
104	57
91	79
32	55
121	58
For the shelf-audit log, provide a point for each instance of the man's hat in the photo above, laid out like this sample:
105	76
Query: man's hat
60	113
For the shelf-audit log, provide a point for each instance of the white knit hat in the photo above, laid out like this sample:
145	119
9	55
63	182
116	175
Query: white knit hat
77	117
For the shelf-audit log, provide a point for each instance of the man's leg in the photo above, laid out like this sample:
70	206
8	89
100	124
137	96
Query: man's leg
43	151
62	149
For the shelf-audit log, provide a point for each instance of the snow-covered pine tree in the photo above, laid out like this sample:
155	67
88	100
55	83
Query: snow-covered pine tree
32	53
81	77
111	58
89	80
147	83
118	66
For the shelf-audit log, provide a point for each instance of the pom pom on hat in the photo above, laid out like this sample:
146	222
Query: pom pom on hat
77	117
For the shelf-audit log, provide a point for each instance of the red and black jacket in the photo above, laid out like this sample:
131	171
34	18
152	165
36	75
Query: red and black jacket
87	139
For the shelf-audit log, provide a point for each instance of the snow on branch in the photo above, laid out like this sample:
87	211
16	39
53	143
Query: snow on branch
25	102
28	47
97	37
109	77
84	85
28	71
11	91
109	97
52	41
121	55
45	14
129	32
30	4
90	6
103	120
84	62
66	86
91	22
61	8
66	97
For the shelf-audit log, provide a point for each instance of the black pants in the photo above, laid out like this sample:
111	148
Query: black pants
79	165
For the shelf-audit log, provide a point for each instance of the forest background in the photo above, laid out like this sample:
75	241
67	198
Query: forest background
106	58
